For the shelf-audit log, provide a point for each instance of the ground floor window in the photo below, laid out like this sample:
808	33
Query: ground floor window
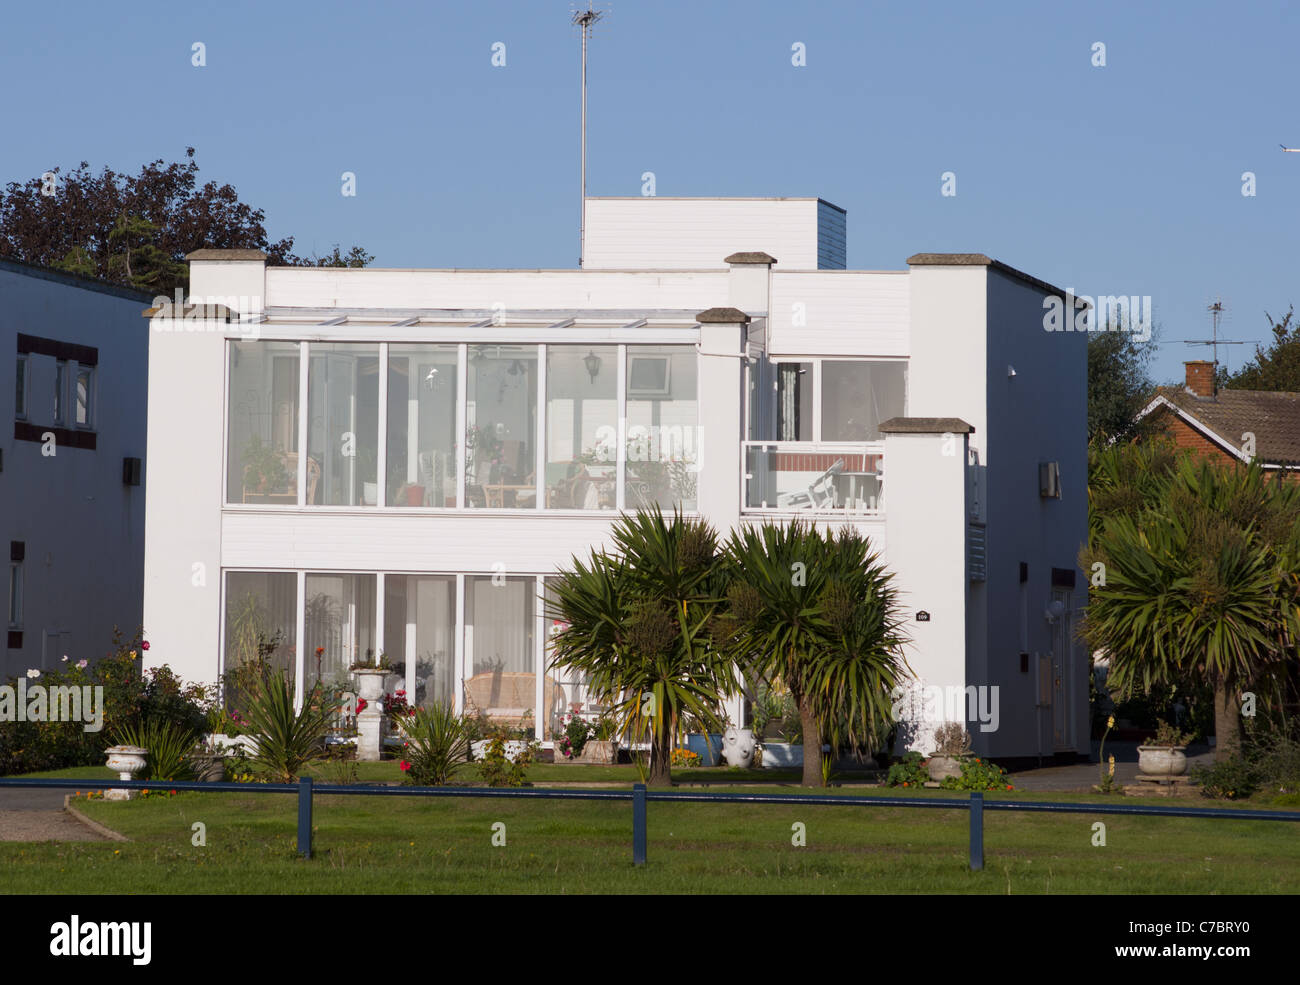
477	641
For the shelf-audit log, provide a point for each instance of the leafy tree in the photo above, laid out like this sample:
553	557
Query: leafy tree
136	229
640	624
820	613
1199	578
1118	383
1275	368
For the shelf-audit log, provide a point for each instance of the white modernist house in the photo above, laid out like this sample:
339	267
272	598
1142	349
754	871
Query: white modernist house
73	354
356	462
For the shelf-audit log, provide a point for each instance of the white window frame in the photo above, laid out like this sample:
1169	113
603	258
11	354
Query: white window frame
89	370
816	363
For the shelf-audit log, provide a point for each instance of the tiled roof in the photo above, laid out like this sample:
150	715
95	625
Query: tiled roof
1274	419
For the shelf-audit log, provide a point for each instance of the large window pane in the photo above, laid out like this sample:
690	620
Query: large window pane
261	628
262	432
500	651
340	623
858	396
343	424
422	425
663	431
420	627
501	426
581	426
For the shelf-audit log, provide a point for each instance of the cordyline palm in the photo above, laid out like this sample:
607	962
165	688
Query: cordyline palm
639	628
820	613
1204	584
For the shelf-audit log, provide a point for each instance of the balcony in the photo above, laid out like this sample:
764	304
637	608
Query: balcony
821	478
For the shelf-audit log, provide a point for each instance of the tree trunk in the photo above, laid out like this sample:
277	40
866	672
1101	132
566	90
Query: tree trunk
661	751
1227	722
812	744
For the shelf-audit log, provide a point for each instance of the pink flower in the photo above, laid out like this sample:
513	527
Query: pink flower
144	645
82	664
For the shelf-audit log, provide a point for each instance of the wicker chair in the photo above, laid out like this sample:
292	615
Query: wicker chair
509	696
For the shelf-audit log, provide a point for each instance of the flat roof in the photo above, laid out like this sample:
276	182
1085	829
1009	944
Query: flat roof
73	280
980	260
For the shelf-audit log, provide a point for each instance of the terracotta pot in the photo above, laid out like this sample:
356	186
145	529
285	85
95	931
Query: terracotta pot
415	495
1162	760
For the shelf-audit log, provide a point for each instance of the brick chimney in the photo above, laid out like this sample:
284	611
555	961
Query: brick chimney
1200	377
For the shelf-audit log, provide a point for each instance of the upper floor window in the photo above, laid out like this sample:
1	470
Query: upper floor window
838	399
523	430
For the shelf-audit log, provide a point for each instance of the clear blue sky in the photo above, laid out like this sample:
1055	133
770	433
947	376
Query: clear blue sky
1117	180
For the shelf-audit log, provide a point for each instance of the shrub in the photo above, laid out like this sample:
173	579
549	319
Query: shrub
496	769
287	742
909	771
573	738
130	698
437	745
685	759
1228	779
977	774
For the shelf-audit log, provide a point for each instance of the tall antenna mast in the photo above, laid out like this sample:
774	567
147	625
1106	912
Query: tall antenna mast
585	19
1215	309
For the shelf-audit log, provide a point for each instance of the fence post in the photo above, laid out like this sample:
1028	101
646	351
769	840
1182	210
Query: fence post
976	832
638	824
304	816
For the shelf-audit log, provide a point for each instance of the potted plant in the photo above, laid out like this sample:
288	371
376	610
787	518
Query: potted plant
1164	755
602	744
208	758
951	746
706	745
571	739
264	468
787	751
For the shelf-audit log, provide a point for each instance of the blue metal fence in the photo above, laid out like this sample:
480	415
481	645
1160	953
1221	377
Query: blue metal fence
306	790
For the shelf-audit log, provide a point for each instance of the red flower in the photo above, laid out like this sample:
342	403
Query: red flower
1009	787
405	766
144	644
361	705
320	650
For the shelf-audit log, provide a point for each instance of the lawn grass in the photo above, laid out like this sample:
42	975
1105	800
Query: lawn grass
399	845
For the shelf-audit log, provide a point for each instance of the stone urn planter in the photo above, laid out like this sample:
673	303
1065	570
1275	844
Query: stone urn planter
1162	760
126	761
370	722
942	767
597	751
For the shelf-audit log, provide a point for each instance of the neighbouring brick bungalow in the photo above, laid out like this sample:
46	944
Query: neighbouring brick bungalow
1220	423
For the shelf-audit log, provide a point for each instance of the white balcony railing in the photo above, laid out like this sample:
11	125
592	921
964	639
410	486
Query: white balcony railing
828	478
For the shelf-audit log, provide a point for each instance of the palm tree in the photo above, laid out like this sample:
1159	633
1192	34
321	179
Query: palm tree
821	613
1202	581
640	628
